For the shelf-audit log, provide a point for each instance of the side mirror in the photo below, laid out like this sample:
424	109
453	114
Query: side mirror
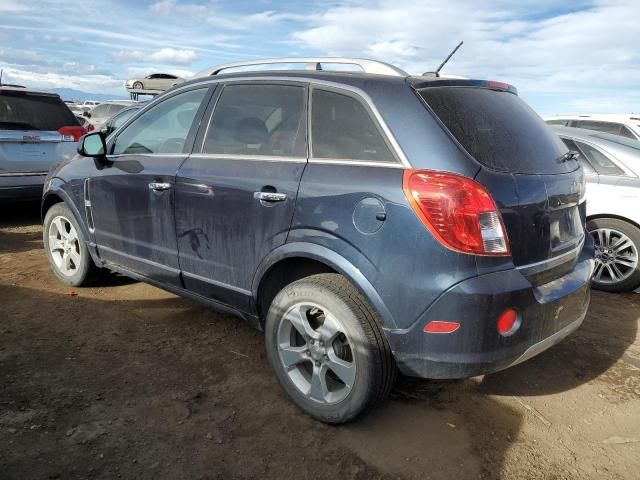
93	145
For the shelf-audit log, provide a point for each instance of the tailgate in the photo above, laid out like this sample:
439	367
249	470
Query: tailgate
23	151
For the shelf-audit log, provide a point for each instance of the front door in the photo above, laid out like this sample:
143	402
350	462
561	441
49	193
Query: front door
132	195
235	199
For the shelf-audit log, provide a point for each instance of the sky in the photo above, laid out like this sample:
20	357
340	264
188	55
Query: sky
564	57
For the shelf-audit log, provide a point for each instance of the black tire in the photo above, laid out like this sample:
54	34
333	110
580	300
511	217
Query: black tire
632	281
375	371
84	271
138	86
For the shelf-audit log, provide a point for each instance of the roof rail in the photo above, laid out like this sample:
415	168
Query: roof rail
312	63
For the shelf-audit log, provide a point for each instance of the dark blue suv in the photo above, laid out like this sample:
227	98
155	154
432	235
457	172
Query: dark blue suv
367	222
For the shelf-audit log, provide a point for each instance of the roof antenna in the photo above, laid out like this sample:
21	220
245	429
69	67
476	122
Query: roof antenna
437	72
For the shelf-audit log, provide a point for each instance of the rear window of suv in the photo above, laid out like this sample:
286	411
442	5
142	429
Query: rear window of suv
498	129
28	111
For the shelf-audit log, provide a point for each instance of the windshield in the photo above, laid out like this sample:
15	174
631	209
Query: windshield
498	129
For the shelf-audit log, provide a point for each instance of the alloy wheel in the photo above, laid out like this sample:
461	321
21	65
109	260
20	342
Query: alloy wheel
616	256
316	353
64	246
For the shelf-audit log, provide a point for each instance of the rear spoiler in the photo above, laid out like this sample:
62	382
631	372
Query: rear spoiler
454	82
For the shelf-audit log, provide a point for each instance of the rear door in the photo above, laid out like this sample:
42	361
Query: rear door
235	198
540	193
131	197
33	136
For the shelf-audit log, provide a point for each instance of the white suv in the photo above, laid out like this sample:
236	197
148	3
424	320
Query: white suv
623	125
612	167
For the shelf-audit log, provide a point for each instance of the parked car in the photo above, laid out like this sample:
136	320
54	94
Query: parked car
89	105
612	167
103	112
120	118
84	123
37	130
155	81
362	220
75	107
627	126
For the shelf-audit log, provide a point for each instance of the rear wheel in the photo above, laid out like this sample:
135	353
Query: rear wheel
65	247
617	245
327	349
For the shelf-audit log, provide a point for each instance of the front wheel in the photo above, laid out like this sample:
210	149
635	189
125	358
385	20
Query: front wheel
617	245
65	246
327	349
138	86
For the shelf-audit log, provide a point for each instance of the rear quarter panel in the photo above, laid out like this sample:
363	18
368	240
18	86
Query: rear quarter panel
407	267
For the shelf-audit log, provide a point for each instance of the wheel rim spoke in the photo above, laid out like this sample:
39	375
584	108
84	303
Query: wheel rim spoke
345	371
292	356
329	329
318	389
298	319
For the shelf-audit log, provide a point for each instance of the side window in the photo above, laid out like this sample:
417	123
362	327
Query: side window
342	128
571	145
599	160
259	120
164	128
607	127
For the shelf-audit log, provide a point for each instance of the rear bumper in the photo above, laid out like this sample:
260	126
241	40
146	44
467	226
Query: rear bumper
548	313
27	187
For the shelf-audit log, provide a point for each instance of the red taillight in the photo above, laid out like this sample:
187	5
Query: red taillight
90	127
458	211
508	322
437	326
72	134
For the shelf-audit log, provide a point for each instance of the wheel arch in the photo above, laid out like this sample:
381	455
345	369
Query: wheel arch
297	260
613	216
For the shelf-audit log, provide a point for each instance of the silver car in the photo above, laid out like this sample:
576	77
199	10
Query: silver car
37	131
103	112
612	167
155	81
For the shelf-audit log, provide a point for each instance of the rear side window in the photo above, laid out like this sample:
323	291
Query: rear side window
341	128
599	160
163	128
259	120
607	127
24	111
571	145
498	129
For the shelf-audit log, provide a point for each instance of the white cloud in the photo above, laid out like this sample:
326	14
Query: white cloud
13	6
590	51
164	55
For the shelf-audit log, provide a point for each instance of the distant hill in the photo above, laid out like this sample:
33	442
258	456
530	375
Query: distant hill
72	94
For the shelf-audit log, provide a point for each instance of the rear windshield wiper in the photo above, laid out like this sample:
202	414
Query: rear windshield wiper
570	155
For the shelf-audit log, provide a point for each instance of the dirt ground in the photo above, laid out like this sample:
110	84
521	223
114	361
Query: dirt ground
128	381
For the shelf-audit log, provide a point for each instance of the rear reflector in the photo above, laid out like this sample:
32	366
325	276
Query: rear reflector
72	133
436	326
508	322
458	212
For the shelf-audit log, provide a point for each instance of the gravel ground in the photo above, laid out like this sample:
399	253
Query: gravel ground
127	381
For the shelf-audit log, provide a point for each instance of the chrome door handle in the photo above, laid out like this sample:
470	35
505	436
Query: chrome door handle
159	186
270	196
